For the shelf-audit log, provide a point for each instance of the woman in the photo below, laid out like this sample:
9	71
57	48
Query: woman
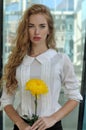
35	56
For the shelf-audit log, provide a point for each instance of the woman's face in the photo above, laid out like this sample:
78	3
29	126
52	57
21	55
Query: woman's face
38	29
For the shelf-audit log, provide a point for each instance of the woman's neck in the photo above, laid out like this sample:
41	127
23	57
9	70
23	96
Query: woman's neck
35	51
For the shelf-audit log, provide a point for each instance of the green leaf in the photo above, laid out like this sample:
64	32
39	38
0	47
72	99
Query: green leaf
32	120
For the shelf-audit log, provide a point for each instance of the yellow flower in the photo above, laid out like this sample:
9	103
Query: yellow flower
36	86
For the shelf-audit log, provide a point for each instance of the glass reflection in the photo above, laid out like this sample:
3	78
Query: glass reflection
69	17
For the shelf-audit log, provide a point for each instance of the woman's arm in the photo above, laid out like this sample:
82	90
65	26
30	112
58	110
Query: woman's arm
65	110
14	116
46	122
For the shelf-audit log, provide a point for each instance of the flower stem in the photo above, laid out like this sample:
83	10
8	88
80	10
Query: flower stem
35	104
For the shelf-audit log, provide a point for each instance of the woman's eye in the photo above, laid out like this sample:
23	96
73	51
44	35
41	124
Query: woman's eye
30	26
42	26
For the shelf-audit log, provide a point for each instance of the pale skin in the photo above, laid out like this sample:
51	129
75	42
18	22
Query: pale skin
38	30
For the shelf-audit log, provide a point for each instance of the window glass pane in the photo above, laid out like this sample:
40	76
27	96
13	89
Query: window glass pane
70	20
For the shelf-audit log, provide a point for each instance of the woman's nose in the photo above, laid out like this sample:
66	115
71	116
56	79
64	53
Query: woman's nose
37	30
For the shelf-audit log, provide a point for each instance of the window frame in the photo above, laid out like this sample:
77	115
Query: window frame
1	53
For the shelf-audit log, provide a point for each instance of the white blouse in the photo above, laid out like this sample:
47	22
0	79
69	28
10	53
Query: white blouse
56	70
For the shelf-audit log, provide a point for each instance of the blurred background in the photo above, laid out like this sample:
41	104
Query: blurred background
70	26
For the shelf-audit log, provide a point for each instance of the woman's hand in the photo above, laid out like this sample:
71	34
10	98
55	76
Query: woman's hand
27	128
43	123
24	126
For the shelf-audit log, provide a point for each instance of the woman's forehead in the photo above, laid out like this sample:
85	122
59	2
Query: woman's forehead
37	18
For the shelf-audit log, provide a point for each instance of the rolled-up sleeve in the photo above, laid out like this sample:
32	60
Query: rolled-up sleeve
6	99
70	81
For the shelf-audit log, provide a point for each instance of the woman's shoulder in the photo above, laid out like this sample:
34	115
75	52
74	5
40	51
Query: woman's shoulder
61	58
61	55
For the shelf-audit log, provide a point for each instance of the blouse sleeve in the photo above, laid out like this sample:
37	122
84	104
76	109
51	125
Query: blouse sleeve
6	99
70	82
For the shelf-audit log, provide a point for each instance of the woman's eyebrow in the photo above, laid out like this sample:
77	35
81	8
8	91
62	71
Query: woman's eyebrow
31	24
43	24
39	24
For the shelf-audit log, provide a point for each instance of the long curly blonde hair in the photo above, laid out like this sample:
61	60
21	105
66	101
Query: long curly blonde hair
22	43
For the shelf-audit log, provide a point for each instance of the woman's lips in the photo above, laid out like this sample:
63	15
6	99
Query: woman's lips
36	38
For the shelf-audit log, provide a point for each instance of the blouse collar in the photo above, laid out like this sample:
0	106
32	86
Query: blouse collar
42	58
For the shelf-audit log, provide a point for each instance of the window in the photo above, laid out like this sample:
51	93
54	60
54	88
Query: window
63	12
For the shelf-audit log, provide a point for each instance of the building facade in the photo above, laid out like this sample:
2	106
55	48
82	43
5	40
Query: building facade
70	21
